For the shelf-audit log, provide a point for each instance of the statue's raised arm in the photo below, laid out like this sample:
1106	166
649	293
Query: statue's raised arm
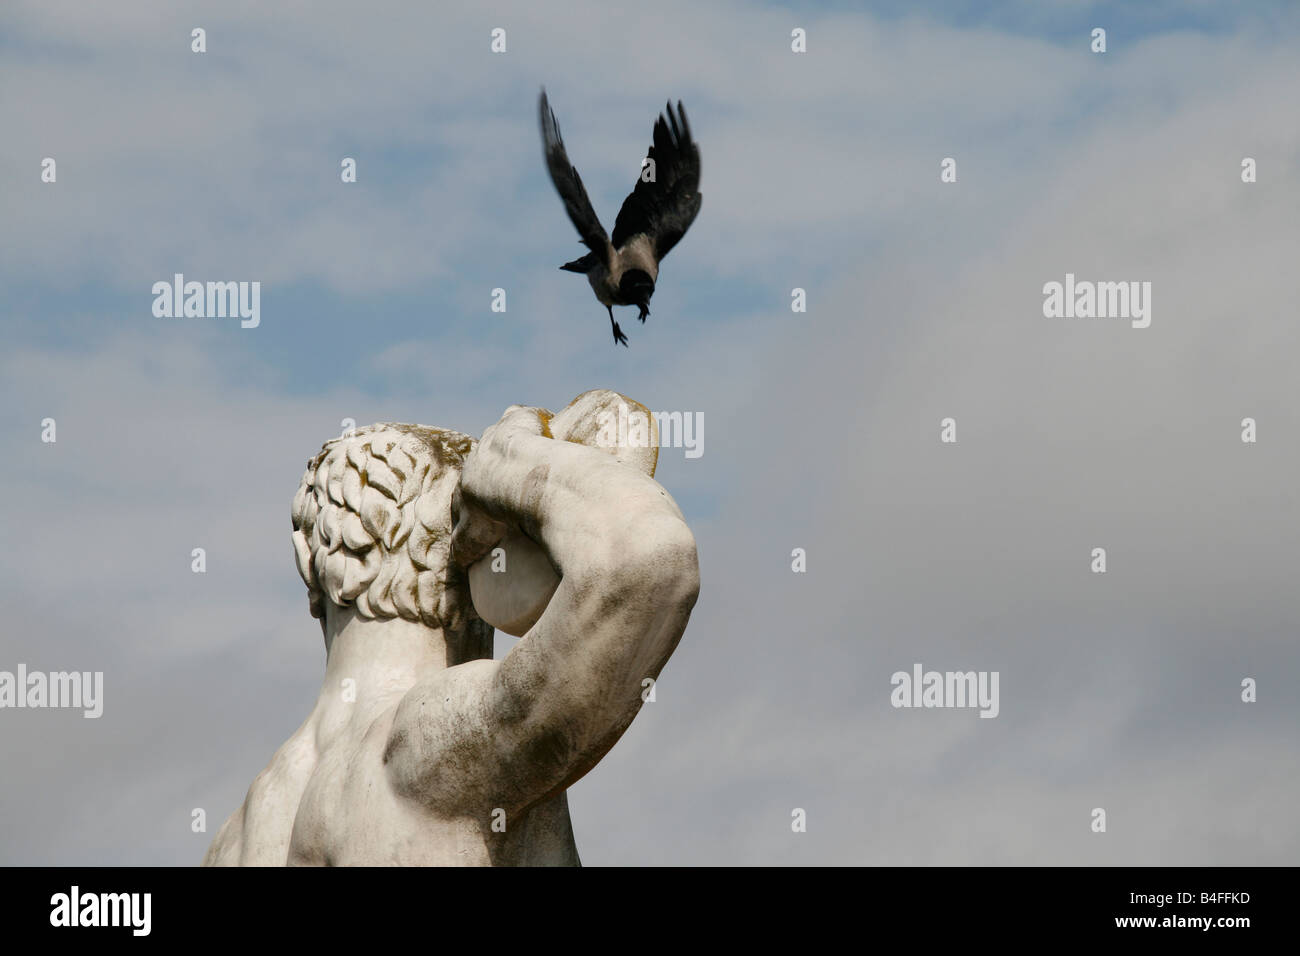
573	493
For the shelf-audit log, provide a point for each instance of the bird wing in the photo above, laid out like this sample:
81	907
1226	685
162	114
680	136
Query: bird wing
569	184
664	209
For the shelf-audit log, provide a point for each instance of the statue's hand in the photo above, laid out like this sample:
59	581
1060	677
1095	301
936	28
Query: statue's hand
531	476
482	500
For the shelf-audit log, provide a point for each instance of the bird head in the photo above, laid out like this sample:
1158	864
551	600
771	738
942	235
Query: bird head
636	287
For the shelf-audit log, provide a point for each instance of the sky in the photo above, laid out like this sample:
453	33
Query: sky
1119	691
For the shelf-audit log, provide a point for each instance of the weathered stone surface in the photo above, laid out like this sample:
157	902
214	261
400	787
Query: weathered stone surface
421	749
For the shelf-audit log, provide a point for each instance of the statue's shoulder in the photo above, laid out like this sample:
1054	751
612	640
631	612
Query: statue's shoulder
443	700
441	724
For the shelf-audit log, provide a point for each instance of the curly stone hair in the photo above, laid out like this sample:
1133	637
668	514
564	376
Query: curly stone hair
372	528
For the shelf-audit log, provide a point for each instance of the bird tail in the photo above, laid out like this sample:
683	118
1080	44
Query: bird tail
584	264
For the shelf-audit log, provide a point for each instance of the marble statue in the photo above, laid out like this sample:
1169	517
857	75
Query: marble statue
414	544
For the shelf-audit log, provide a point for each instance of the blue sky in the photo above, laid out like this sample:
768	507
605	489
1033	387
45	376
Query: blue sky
820	171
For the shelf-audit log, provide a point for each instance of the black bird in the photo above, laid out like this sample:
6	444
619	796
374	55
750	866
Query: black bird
623	269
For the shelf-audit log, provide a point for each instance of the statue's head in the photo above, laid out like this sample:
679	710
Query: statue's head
372	531
372	524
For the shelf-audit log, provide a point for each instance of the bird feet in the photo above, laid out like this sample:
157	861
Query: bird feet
619	337
644	313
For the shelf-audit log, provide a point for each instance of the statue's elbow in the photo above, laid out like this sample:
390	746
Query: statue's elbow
661	559
686	578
